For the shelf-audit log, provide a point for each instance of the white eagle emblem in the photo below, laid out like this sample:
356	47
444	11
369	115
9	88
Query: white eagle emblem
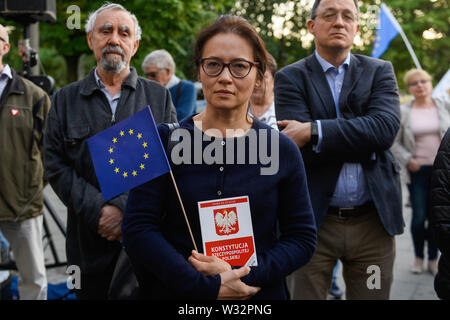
226	222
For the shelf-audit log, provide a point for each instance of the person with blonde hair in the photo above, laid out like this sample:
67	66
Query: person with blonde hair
424	121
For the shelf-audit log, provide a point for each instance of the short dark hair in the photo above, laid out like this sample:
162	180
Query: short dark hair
240	27
316	5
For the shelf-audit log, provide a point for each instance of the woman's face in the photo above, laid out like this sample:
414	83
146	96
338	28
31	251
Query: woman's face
225	91
262	93
420	86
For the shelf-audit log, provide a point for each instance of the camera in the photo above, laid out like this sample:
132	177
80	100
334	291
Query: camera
27	12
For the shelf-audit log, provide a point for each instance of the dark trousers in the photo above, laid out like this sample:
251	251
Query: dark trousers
95	286
421	211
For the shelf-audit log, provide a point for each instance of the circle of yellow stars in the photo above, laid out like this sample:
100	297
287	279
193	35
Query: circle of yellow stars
111	150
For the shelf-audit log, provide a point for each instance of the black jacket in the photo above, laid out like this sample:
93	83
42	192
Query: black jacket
440	200
79	111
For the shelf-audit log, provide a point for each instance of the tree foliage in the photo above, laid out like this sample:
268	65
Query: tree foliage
168	24
417	17
173	25
292	42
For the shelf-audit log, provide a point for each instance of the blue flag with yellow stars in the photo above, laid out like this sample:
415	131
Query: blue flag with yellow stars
128	154
388	28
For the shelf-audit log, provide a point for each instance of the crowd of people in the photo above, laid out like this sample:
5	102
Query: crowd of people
332	120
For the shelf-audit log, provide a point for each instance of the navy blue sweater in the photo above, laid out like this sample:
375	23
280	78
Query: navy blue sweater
157	240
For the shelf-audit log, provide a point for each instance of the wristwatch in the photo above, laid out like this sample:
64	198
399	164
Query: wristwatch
314	133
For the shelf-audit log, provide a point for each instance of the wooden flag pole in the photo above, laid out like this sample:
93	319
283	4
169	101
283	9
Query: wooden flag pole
184	212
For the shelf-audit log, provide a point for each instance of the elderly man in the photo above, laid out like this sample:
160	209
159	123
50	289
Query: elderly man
159	66
23	115
342	110
110	93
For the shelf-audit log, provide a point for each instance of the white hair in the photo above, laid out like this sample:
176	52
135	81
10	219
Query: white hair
90	22
161	59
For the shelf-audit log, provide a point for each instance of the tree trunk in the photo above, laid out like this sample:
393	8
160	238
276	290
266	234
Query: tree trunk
72	68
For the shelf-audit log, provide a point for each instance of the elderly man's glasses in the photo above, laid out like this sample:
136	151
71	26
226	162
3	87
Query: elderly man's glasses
152	74
238	68
415	83
331	16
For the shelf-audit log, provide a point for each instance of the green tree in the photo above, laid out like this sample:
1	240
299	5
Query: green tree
426	24
57	40
168	24
288	40
281	24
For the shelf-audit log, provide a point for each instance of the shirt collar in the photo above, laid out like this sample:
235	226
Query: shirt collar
269	112
174	80
6	71
98	81
327	66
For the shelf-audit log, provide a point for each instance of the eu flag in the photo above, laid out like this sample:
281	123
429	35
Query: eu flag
388	28
128	154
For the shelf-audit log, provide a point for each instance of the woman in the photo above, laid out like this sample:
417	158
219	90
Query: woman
230	58
424	122
262	104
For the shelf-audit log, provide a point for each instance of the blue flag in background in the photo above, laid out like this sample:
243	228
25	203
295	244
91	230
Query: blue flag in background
128	154
388	28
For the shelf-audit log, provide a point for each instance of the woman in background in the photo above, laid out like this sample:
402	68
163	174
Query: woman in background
262	105
424	122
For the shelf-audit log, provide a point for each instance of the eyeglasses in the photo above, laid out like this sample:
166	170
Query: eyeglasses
331	16
152	74
238	68
415	83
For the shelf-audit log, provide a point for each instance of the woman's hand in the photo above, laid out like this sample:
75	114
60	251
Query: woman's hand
209	266
232	288
413	165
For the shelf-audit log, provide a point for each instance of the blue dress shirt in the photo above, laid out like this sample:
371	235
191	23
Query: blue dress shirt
4	77
351	189
113	101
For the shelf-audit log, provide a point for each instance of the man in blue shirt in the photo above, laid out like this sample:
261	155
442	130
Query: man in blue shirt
159	66
342	110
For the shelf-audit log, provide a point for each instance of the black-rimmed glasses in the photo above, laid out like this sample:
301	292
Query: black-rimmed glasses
239	68
152	74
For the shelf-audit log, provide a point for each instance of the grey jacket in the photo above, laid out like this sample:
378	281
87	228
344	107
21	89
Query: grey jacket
404	145
79	111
